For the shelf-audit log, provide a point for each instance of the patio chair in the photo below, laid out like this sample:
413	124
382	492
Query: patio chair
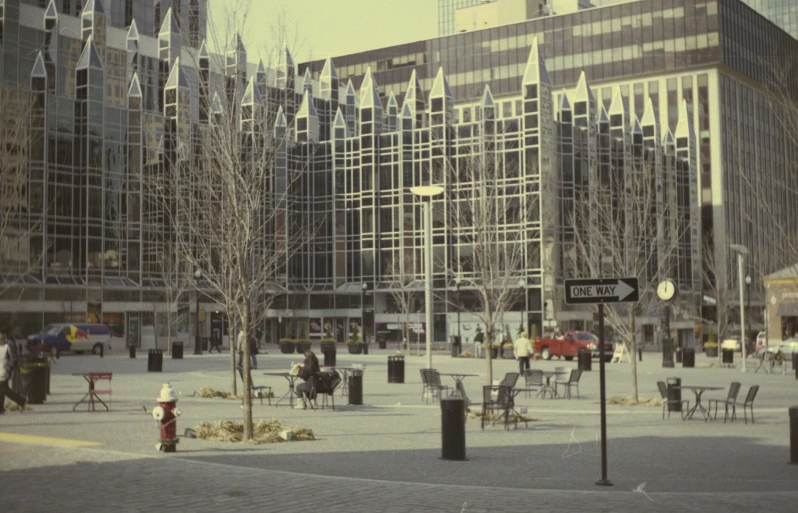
748	403
461	389
562	376
734	389
573	382
663	391
502	404
326	383
510	379
533	378
431	379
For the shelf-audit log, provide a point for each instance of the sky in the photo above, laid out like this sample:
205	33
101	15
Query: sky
330	28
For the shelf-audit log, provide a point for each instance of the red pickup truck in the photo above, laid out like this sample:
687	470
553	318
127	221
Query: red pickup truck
569	343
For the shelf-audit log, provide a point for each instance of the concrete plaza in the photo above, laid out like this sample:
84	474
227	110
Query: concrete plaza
384	455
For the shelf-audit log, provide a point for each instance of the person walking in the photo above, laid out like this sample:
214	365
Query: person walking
8	362
479	339
523	350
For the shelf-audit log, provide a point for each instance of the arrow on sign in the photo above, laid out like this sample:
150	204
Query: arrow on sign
609	290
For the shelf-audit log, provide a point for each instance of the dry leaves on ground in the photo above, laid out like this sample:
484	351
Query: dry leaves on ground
264	432
629	401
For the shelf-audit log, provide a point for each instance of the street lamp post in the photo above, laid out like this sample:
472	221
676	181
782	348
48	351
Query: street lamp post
363	287
459	308
525	319
197	337
742	251
748	299
427	193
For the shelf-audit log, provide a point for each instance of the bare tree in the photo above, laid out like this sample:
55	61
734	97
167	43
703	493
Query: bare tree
406	291
719	290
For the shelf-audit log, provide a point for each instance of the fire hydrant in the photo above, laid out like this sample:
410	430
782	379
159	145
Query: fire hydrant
166	414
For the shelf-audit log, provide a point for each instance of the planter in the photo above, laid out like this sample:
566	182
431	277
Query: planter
301	347
382	344
327	346
287	347
494	353
712	352
508	353
355	348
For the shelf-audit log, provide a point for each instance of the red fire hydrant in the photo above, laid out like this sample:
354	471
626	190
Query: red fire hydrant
166	414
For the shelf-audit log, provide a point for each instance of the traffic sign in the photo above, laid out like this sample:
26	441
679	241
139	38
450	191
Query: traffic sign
602	290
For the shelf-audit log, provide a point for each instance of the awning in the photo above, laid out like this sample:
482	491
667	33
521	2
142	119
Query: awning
788	310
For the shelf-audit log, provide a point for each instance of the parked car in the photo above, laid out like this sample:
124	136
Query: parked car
787	347
77	337
569	344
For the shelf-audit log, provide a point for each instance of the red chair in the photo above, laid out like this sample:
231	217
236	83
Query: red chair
95	393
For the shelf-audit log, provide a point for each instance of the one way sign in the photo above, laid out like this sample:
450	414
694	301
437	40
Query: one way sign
604	290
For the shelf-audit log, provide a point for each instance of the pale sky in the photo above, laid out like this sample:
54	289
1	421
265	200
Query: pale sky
334	27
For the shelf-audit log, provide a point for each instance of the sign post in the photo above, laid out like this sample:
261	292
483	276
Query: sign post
601	291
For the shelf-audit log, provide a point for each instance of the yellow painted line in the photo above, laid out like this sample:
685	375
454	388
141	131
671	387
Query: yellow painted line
45	440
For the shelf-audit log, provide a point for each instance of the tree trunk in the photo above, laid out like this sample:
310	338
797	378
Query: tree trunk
234	387
488	359
633	355
247	381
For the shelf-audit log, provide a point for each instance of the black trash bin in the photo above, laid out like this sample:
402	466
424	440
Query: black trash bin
356	387
727	356
584	359
453	445
132	350
396	369
33	378
794	435
688	358
177	350
674	394
155	360
330	354
795	362
456	347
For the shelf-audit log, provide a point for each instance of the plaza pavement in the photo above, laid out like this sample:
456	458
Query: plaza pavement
384	455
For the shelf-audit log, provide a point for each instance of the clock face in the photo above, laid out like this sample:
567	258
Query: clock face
666	290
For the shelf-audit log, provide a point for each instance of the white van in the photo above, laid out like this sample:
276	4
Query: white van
77	337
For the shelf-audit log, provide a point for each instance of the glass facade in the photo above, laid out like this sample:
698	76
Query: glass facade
446	10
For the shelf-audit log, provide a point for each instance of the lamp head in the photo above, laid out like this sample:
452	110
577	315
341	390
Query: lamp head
198	273
748	280
427	191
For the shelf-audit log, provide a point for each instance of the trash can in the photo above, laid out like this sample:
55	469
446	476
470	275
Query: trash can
396	369
667	353
674	394
688	358
356	387
456	347
177	350
155	360
453	428
795	362
794	435
33	379
329	356
584	359
132	350
727	356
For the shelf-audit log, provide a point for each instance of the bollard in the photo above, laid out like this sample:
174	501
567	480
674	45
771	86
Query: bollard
794	435
132	351
688	358
154	360
396	369
455	341
727	356
674	394
639	354
453	445
356	388
584	359
177	350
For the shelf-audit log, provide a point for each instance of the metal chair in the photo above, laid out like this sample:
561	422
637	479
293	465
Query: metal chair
533	378
431	380
573	382
510	379
326	383
748	403
734	389
663	391
502	403
562	376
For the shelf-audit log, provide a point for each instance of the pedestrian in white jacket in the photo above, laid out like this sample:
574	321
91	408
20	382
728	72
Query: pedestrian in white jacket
523	350
8	361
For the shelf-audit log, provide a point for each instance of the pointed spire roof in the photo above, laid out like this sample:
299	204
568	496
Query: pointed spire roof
177	77
339	121
94	6
203	51
350	90
414	91
261	67
307	80
39	70
440	88
487	98
280	121
285	59
169	25
564	103
369	95
251	94
239	43
133	31
535	71
134	91
649	117
618	104
392	103
306	108
406	112
684	127
52	11
583	91
603	117
89	57
216	105
636	129
328	71
667	138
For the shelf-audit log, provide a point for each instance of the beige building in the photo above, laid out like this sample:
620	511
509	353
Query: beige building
505	12
781	310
